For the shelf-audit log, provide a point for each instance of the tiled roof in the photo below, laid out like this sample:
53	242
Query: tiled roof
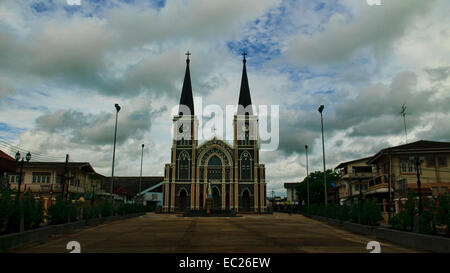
343	164
417	146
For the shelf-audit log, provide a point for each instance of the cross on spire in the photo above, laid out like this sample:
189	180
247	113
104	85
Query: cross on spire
188	54
244	54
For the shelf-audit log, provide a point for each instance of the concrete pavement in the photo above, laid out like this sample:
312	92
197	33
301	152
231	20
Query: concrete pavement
168	233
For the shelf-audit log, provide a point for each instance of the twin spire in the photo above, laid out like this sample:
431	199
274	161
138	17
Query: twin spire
187	99
244	95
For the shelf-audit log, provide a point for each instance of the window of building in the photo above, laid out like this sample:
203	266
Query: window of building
442	161
183	165
430	161
14	178
408	166
246	170
41	178
434	191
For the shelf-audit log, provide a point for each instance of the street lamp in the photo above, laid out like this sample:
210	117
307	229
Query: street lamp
307	174
27	158
321	107
114	150
140	177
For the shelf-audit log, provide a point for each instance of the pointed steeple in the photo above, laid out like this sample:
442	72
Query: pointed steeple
244	95
186	93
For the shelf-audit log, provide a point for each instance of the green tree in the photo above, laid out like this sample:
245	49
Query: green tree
316	188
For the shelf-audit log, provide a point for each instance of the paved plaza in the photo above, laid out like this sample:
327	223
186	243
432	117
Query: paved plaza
169	233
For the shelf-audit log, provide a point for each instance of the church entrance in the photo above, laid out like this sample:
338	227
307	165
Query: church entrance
216	198
201	200
246	200
182	200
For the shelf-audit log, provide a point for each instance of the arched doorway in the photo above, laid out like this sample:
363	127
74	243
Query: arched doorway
182	200
246	200
227	200
216	198
201	200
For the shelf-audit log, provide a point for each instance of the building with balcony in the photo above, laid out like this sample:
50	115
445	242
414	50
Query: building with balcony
395	167
355	176
44	180
397	173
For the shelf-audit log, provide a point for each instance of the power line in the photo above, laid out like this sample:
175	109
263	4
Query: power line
36	155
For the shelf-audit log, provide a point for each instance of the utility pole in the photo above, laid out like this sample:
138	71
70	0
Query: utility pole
403	113
63	179
140	177
307	174
389	186
417	160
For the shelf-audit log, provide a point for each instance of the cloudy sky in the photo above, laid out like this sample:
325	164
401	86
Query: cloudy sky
62	68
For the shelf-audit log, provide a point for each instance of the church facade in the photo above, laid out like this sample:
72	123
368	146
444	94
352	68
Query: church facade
232	173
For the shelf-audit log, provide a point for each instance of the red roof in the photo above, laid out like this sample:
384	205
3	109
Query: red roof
6	156
7	163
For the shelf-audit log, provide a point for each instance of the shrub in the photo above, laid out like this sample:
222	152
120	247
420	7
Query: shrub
370	214
11	209
343	213
427	221
443	212
61	212
354	213
405	219
7	210
33	211
105	208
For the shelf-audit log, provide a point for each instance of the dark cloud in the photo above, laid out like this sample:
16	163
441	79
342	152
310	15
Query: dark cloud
438	73
346	36
374	112
97	129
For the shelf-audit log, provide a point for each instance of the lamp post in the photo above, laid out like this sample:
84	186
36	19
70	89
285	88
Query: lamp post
114	151
321	107
27	157
140	177
18	158
307	175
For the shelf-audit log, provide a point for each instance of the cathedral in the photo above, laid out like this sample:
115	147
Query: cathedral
230	174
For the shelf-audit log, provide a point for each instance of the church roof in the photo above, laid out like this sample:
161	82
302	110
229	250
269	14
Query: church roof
214	140
186	93
244	95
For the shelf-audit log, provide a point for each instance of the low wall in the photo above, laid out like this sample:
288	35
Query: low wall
18	239
404	238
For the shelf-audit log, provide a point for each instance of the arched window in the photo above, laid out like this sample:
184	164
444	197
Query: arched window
215	161
215	168
246	166
183	165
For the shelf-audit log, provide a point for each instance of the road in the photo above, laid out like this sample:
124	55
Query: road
168	233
